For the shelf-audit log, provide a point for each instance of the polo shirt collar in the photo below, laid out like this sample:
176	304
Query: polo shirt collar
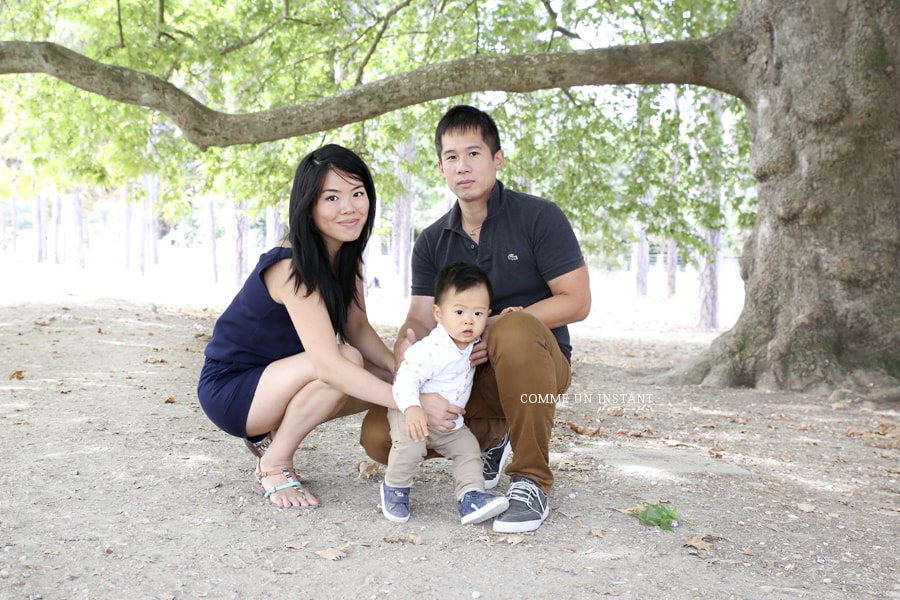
454	223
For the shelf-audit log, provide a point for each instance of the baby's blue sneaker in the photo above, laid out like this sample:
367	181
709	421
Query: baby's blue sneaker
476	506
395	503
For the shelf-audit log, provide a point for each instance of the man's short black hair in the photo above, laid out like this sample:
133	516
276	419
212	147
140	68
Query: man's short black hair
468	118
460	277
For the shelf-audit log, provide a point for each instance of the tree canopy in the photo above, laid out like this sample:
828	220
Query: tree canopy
252	83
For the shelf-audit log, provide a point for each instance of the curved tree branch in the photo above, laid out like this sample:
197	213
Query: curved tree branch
714	62
385	22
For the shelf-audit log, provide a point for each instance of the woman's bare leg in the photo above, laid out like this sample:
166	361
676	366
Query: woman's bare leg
291	402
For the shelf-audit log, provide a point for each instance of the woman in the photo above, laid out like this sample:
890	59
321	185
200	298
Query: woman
295	347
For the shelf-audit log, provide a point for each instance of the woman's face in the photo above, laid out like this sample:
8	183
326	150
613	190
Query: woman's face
341	210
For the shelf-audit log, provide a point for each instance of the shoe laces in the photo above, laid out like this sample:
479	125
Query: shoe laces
527	492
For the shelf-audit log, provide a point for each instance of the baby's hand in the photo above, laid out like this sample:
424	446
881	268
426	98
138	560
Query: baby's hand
510	309
416	423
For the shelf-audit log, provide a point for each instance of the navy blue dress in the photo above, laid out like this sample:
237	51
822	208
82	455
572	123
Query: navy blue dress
252	333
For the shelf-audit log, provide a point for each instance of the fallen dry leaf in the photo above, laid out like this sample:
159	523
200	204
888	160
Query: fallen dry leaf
883	428
582	430
335	553
297	545
603	590
512	540
17	375
637	433
170	400
411	538
367	469
596	533
700	542
717	450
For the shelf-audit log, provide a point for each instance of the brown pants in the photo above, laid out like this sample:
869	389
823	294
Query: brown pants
511	391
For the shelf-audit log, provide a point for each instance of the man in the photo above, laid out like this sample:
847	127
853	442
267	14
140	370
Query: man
528	248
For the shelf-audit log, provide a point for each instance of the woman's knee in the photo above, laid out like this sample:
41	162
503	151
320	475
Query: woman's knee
351	354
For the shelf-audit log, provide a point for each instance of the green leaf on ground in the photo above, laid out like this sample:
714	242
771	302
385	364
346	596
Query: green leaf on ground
655	514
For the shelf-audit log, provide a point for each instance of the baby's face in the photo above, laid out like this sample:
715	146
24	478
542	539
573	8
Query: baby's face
464	314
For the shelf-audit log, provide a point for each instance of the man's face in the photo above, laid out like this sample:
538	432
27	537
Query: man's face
467	165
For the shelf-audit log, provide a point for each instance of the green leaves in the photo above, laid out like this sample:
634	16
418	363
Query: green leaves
615	158
655	514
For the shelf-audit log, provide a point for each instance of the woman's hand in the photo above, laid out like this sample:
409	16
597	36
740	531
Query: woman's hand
441	414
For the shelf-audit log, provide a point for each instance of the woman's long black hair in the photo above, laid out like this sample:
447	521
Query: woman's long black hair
310	265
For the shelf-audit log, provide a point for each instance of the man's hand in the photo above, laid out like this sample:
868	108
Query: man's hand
479	353
441	414
416	423
480	350
402	346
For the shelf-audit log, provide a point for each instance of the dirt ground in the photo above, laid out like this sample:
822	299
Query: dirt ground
115	485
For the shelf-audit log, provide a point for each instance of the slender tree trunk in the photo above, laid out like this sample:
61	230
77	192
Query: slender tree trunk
671	266
214	252
709	265
78	227
147	227
241	241
274	226
9	239
642	261
152	183
129	230
15	222
4	228
40	226
709	282
403	232
57	233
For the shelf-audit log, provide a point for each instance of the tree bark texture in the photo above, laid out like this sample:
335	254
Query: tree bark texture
822	266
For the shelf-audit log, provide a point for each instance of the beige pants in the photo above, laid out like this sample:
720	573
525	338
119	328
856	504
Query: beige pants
458	445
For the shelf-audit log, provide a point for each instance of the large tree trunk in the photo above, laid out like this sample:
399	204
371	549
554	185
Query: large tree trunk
822	266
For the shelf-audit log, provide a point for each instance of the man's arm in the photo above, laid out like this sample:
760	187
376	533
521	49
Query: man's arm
570	302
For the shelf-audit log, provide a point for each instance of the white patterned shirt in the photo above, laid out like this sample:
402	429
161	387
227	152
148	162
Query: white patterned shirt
435	364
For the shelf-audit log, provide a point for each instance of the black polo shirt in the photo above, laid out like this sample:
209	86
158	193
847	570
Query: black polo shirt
524	242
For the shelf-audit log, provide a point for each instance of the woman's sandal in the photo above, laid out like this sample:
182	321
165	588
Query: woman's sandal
293	481
258	448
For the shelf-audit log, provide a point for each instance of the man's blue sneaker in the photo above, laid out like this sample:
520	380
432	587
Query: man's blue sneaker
528	507
493	460
395	503
476	506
